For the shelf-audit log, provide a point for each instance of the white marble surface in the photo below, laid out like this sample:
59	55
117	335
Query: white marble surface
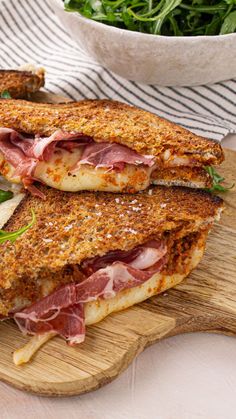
185	377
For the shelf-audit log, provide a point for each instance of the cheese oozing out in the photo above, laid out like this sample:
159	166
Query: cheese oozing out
58	173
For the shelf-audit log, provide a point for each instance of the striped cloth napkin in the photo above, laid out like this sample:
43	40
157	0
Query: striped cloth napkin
31	33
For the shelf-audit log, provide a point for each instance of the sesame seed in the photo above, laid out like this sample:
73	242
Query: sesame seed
69	227
47	240
130	230
108	235
136	209
150	192
117	200
134	201
163	205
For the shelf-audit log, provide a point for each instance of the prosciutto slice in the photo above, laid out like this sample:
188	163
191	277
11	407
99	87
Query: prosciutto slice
137	257
24	153
68	322
63	310
112	156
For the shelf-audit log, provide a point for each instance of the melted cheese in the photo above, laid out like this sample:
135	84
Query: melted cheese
56	173
7	170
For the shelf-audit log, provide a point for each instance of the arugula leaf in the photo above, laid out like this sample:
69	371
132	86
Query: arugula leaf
5	95
217	180
5	195
233	2
229	24
161	17
13	235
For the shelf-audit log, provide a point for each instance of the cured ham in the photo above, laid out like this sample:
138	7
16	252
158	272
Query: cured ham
135	257
68	322
112	156
62	311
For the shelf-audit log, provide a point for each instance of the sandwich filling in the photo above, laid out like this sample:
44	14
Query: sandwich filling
67	161
62	311
74	162
97	279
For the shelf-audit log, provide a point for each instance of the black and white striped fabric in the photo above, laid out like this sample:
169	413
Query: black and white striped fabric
31	33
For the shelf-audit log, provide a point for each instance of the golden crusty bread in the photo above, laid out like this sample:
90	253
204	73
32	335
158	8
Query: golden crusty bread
20	83
71	227
110	121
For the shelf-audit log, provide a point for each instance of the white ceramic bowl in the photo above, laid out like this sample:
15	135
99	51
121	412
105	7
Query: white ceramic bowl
153	59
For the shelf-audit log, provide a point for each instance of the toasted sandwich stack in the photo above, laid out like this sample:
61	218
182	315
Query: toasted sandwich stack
20	84
120	214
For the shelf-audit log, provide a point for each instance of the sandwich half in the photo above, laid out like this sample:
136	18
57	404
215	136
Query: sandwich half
19	84
90	254
99	145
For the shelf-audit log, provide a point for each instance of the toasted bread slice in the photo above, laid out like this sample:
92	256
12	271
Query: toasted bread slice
191	177
73	227
111	121
21	83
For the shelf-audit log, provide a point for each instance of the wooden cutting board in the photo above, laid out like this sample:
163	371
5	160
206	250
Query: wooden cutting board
205	301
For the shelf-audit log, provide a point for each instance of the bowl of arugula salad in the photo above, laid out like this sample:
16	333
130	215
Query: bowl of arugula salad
164	42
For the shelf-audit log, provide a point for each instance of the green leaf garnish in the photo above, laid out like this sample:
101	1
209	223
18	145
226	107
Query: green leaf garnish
5	195
229	24
13	235
5	95
217	179
161	17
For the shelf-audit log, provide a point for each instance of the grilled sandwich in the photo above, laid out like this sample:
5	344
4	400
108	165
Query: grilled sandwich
19	84
90	254
99	145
